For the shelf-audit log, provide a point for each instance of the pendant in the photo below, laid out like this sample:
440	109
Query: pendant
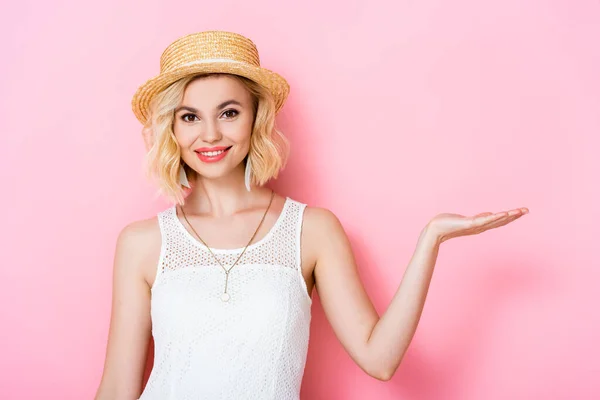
225	297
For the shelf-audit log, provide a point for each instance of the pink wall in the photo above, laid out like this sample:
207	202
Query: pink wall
398	111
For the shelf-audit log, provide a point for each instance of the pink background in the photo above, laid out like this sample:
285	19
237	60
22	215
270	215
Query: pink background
398	111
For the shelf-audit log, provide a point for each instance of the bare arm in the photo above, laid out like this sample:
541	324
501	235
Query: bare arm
394	331
378	344
343	298
130	324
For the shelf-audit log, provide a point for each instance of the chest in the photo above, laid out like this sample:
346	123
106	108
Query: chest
187	303
280	247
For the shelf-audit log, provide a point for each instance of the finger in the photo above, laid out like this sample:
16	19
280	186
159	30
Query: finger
515	216
497	220
483	214
494	217
521	211
480	222
503	221
508	214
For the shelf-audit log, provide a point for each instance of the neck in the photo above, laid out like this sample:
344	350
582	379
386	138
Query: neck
224	196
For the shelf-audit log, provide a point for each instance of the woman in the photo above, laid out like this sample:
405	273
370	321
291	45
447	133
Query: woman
223	278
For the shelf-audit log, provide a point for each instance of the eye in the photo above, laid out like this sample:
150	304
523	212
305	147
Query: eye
184	117
230	113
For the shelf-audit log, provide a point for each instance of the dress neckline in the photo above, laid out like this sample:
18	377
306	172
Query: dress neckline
199	244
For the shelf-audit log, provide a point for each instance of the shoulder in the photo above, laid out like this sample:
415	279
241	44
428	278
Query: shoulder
316	217
323	236
321	226
317	220
138	247
139	232
320	219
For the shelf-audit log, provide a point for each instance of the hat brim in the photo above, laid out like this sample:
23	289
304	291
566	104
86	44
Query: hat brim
275	83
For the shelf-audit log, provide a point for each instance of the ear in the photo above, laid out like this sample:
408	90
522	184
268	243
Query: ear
148	137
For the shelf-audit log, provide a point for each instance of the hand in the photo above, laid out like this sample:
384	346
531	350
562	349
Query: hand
446	226
148	138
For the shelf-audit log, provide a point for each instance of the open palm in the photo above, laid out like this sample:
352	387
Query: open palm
448	226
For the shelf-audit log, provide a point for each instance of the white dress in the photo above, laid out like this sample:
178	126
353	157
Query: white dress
253	346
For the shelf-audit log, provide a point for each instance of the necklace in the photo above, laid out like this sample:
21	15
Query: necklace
225	296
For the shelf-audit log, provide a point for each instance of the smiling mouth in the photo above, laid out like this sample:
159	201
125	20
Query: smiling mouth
213	153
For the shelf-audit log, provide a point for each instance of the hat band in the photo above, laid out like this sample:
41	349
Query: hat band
213	60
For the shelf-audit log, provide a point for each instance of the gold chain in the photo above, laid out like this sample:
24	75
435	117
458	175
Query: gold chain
225	296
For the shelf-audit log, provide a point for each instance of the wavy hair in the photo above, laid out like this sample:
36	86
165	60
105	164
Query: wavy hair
268	152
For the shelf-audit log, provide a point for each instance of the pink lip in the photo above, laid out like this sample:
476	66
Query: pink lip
211	159
211	148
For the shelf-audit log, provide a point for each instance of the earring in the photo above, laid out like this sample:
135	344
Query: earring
247	173
183	177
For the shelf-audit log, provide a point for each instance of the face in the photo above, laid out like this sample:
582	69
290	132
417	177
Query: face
213	124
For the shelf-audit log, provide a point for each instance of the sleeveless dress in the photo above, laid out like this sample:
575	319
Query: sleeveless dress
253	346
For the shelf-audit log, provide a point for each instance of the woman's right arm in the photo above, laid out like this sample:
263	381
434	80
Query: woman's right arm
130	324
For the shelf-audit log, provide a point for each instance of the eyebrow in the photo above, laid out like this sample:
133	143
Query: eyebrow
219	107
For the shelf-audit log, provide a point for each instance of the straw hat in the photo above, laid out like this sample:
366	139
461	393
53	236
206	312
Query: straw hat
209	52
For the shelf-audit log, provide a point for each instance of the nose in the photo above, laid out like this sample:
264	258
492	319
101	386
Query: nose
211	132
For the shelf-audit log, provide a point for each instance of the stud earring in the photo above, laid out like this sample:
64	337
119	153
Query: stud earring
247	173
183	177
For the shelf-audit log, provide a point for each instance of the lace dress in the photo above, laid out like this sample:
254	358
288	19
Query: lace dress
253	346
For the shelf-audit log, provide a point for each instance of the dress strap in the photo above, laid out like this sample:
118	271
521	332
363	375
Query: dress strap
166	227
298	234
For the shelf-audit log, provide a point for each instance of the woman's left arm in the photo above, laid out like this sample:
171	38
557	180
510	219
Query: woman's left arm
378	344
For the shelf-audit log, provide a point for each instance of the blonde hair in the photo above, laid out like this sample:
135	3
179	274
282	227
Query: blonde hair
268	152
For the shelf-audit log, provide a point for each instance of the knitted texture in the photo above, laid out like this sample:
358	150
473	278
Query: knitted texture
252	347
